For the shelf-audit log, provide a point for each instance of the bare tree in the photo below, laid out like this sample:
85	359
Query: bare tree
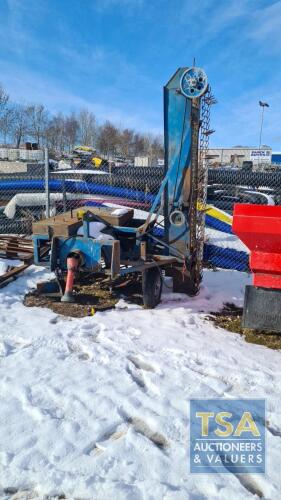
55	133
71	127
157	147
19	123
126	141
139	145
113	140
38	120
108	139
87	127
6	123
4	98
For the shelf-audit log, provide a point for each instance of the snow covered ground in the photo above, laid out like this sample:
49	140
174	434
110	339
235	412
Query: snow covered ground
224	240
97	408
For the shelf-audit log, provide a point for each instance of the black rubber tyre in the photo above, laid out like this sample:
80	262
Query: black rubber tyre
151	287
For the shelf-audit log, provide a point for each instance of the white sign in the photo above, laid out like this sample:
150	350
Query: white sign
262	155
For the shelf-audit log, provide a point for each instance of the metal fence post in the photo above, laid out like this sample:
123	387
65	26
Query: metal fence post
64	195
47	183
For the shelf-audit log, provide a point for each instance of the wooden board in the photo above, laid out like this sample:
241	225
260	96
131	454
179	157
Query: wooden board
57	227
68	223
106	213
9	276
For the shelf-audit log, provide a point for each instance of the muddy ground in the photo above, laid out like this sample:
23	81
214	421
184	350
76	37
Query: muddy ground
230	318
90	296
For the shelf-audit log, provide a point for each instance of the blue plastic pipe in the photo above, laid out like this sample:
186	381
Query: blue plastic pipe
94	188
77	187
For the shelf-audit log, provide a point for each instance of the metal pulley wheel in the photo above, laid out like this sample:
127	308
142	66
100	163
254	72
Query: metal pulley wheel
194	83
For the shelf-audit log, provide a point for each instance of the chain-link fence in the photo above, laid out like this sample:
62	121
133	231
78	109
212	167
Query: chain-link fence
24	194
227	186
31	191
22	191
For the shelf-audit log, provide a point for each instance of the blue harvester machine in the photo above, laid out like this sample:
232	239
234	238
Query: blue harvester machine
172	236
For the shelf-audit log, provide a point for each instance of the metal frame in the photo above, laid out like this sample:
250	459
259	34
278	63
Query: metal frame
177	192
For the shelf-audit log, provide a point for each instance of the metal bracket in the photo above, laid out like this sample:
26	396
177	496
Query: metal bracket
115	259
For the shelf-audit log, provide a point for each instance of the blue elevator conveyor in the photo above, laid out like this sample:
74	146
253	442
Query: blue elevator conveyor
115	242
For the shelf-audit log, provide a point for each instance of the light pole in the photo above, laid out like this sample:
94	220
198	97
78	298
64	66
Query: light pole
263	105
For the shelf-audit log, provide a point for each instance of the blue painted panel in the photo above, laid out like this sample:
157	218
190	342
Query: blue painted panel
90	248
177	136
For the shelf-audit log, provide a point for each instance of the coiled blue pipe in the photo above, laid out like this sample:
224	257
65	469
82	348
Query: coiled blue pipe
94	188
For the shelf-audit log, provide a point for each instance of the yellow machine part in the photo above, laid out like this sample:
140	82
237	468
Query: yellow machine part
215	212
87	149
96	161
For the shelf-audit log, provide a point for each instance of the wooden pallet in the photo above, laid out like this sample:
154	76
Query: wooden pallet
14	247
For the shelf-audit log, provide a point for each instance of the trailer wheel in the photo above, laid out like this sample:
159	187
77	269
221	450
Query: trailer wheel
151	287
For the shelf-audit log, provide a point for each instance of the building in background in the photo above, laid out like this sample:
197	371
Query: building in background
25	153
237	155
276	158
147	161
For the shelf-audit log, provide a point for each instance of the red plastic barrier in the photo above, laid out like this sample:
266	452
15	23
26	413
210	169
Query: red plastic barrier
259	227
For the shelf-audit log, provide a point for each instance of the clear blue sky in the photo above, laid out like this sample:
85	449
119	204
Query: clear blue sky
114	56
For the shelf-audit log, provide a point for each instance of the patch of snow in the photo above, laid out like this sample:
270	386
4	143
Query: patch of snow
6	263
95	229
81	171
120	211
224	240
97	407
